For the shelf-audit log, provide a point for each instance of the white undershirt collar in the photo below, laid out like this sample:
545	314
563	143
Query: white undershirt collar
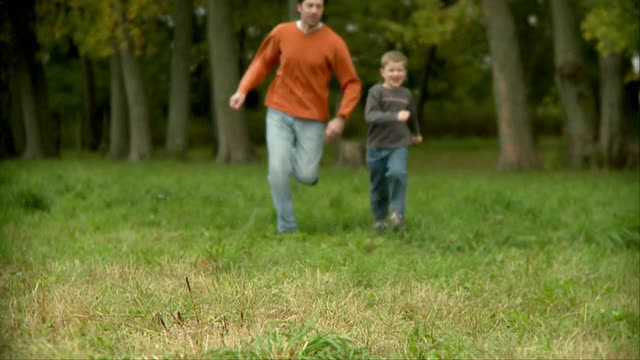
299	25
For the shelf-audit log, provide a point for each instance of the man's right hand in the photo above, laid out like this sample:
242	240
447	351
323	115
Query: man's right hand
236	100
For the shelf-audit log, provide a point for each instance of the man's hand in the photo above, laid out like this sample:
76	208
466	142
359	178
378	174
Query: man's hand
416	139
334	129
236	100
403	115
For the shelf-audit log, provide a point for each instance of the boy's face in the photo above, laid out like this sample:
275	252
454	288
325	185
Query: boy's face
393	74
311	12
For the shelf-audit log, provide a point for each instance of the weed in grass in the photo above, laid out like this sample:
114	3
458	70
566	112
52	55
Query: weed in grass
304	342
32	200
424	343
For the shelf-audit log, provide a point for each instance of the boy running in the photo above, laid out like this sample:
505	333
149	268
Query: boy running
393	126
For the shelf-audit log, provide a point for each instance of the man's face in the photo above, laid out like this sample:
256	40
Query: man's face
311	12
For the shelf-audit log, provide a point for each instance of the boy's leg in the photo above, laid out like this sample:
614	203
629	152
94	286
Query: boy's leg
378	186
280	143
397	177
307	151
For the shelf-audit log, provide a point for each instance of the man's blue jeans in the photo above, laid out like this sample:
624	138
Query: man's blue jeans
388	180
295	148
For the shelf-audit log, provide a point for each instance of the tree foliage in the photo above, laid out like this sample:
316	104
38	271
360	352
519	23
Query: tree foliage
444	40
430	22
613	25
92	27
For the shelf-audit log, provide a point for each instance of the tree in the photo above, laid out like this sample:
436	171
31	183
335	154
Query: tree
571	79
179	90
33	144
614	27
16	121
516	141
233	140
31	83
292	9
92	124
140	135
612	140
431	24
118	127
62	25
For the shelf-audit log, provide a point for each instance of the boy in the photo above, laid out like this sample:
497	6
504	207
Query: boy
393	126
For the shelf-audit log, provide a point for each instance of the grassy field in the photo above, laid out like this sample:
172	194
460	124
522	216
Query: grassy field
164	259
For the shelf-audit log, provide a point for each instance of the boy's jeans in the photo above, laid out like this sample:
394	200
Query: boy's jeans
388	180
295	148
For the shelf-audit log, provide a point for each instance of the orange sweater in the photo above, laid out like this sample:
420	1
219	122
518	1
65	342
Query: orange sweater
306	62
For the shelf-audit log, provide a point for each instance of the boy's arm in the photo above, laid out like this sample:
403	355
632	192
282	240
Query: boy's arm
373	113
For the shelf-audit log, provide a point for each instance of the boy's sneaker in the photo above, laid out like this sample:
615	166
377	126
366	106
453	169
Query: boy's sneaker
379	225
397	221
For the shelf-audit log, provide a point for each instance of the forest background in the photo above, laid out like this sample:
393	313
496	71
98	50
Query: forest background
136	79
114	246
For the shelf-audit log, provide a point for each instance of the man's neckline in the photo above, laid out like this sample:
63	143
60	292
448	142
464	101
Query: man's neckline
299	26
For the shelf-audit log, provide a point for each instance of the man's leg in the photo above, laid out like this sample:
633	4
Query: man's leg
397	175
280	144
378	186
308	148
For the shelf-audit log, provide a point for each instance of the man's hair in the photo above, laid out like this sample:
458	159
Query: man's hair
324	2
393	56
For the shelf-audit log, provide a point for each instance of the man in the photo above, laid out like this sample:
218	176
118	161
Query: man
308	53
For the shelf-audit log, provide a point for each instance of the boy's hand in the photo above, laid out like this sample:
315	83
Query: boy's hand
416	139
334	129
403	115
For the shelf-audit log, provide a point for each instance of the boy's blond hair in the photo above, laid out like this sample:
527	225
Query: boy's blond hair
393	56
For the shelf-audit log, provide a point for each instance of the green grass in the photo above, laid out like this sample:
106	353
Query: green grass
95	257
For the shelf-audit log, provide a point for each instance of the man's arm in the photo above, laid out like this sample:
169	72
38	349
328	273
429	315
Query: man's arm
351	88
348	78
266	58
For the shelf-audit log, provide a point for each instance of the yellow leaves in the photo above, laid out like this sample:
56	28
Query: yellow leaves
141	19
52	21
92	24
141	9
432	23
613	26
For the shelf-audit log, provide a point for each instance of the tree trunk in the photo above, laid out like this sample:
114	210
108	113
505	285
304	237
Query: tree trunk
292	10
33	138
48	125
42	136
517	150
17	115
140	135
612	137
424	85
576	96
118	126
351	152
179	91
91	121
233	139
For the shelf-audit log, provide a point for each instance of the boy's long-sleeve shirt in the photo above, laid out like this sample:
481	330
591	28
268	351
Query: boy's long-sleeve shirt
306	63
381	113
